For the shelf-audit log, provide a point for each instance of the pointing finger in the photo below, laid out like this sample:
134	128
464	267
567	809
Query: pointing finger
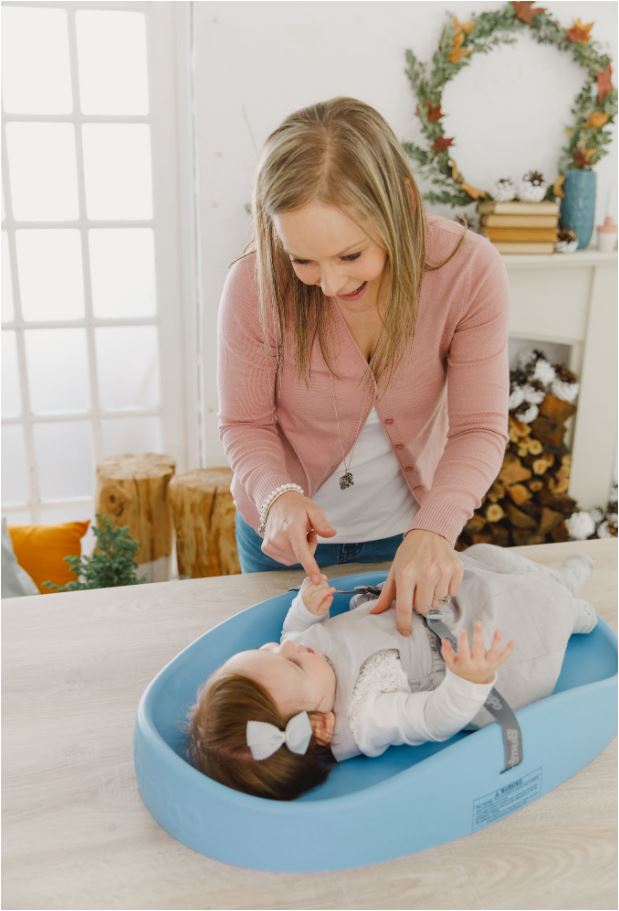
386	596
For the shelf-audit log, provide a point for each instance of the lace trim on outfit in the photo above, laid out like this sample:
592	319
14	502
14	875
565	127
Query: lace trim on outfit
382	672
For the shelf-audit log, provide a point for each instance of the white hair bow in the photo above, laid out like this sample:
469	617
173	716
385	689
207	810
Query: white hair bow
263	739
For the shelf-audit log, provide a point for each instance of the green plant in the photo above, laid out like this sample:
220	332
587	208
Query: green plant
111	564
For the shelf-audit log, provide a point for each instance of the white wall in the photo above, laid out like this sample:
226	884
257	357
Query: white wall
255	62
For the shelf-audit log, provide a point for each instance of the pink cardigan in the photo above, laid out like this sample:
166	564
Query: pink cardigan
445	410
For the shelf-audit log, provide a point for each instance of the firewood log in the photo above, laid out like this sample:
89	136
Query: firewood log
132	490
557	410
494	513
541	466
550	519
513	471
203	512
519	518
519	493
496	492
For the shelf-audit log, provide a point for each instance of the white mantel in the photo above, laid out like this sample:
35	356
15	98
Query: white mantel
571	299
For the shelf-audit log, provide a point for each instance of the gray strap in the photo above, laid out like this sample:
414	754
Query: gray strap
495	704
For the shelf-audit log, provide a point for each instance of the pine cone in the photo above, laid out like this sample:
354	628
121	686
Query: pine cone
536	178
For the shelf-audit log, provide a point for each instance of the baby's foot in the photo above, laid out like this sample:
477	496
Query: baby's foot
575	571
586	617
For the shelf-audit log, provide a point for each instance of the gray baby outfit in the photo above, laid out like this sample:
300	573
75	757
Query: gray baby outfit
396	689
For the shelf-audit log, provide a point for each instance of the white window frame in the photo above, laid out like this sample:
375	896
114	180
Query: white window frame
177	320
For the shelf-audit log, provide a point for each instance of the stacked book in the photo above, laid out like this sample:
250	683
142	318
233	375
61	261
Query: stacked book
520	227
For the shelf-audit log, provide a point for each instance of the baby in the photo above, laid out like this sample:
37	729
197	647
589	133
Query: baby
272	721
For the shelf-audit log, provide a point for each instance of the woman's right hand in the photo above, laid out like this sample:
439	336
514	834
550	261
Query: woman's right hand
291	533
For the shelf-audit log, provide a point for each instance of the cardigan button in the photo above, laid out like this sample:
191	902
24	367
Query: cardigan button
399	446
408	468
388	420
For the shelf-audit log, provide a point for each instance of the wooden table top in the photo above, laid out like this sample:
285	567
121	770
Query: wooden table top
75	831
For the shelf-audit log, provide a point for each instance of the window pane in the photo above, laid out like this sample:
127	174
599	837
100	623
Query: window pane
35	61
128	367
14	466
117	171
11	397
18	516
42	171
7	282
63	452
122	269
111	53
133	435
57	365
50	274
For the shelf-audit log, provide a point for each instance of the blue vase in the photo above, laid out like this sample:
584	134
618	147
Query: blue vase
578	204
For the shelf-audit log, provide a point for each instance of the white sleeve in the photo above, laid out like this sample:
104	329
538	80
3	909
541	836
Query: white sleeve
391	719
298	619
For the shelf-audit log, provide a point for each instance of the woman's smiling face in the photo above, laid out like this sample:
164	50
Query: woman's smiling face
329	249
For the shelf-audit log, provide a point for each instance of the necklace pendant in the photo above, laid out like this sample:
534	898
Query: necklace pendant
346	480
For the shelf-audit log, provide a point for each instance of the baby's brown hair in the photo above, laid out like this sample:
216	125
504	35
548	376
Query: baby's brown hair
218	742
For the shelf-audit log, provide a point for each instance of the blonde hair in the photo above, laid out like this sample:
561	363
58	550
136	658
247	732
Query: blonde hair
218	742
340	153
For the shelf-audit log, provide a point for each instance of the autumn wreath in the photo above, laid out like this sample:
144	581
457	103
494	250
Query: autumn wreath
593	111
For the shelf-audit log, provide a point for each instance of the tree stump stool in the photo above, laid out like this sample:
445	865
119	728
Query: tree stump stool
132	490
203	514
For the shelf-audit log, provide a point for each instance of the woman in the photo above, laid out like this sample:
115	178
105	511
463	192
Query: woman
363	367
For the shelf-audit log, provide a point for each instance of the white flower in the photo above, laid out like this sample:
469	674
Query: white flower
516	398
544	371
597	514
529	415
526	357
580	525
533	395
604	531
565	391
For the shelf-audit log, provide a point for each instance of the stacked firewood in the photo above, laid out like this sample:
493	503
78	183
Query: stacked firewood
528	502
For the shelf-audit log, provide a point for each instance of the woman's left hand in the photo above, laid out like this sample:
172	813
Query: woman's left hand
425	568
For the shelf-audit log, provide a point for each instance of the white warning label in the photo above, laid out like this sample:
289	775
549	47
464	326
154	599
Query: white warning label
505	800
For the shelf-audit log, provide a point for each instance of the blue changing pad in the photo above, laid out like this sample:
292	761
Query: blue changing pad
368	810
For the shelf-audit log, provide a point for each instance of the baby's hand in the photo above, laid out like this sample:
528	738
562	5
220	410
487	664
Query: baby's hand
476	664
317	597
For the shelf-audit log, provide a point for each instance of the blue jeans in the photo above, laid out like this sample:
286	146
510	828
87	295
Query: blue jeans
252	559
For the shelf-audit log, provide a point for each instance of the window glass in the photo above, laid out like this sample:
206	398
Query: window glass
117	171
36	78
42	171
128	367
57	363
122	272
111	54
14	467
131	435
64	459
49	263
11	396
7	282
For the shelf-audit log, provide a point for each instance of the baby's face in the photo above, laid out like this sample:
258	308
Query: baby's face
298	678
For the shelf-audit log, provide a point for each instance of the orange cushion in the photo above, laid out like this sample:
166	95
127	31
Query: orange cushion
41	549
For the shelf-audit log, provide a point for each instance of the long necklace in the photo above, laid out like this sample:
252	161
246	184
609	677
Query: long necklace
346	480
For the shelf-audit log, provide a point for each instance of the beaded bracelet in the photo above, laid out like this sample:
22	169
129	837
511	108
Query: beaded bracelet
272	497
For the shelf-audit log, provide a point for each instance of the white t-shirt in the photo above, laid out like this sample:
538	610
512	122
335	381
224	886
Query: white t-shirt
379	503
